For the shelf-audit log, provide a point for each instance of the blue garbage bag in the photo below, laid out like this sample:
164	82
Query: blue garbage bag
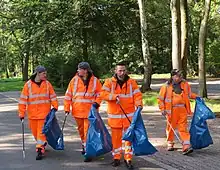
137	135
99	140
199	132
53	132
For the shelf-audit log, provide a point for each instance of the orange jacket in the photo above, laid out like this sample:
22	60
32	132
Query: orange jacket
165	99
37	100
81	99
129	95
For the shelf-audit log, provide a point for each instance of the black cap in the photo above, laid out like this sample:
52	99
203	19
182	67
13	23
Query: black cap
84	65
175	72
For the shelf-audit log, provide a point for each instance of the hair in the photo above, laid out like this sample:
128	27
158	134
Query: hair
120	64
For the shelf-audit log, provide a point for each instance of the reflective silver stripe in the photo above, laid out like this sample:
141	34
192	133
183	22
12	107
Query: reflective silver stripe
138	102
47	83
117	150
168	100
82	100
67	92
22	102
38	95
120	116
39	102
84	94
130	153
23	96
94	84
29	88
112	91
53	99
114	153
106	88
40	142
186	142
53	95
160	97
110	96
179	105
127	147
67	98
31	96
75	84
136	91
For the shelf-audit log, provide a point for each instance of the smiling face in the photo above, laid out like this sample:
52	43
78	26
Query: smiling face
120	71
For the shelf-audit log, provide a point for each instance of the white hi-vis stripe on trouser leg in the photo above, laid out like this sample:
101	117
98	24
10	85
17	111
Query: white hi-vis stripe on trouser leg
120	116
116	151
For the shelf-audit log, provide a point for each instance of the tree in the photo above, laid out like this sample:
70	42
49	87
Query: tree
176	48
184	35
145	48
202	42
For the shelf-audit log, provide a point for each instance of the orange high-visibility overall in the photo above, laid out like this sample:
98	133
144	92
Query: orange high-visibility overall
81	102
177	106
130	96
37	101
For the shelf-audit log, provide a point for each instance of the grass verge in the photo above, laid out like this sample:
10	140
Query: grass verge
12	84
150	99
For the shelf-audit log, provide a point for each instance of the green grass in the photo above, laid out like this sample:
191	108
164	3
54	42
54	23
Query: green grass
150	99
12	84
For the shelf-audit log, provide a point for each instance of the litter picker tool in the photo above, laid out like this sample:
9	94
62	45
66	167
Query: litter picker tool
23	148
174	131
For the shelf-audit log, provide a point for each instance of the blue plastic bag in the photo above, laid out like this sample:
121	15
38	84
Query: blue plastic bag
199	132
99	140
136	133
53	132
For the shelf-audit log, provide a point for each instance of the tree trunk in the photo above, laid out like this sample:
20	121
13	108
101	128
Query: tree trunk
175	13
145	48
202	41
25	69
184	35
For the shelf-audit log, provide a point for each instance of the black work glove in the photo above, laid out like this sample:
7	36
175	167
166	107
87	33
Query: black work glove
96	105
21	118
67	113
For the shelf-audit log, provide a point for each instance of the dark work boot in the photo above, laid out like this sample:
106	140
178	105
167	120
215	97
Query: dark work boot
87	159
116	162
188	151
39	154
129	165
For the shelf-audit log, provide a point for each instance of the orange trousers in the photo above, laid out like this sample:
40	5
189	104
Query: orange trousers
118	145
36	126
178	119
83	125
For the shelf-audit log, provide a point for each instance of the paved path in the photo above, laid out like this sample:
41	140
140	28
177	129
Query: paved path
11	145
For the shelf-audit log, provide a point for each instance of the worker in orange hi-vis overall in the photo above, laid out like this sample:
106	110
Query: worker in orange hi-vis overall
174	103
123	90
83	91
36	99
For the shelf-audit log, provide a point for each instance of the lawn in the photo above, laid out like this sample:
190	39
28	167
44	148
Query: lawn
150	99
12	84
